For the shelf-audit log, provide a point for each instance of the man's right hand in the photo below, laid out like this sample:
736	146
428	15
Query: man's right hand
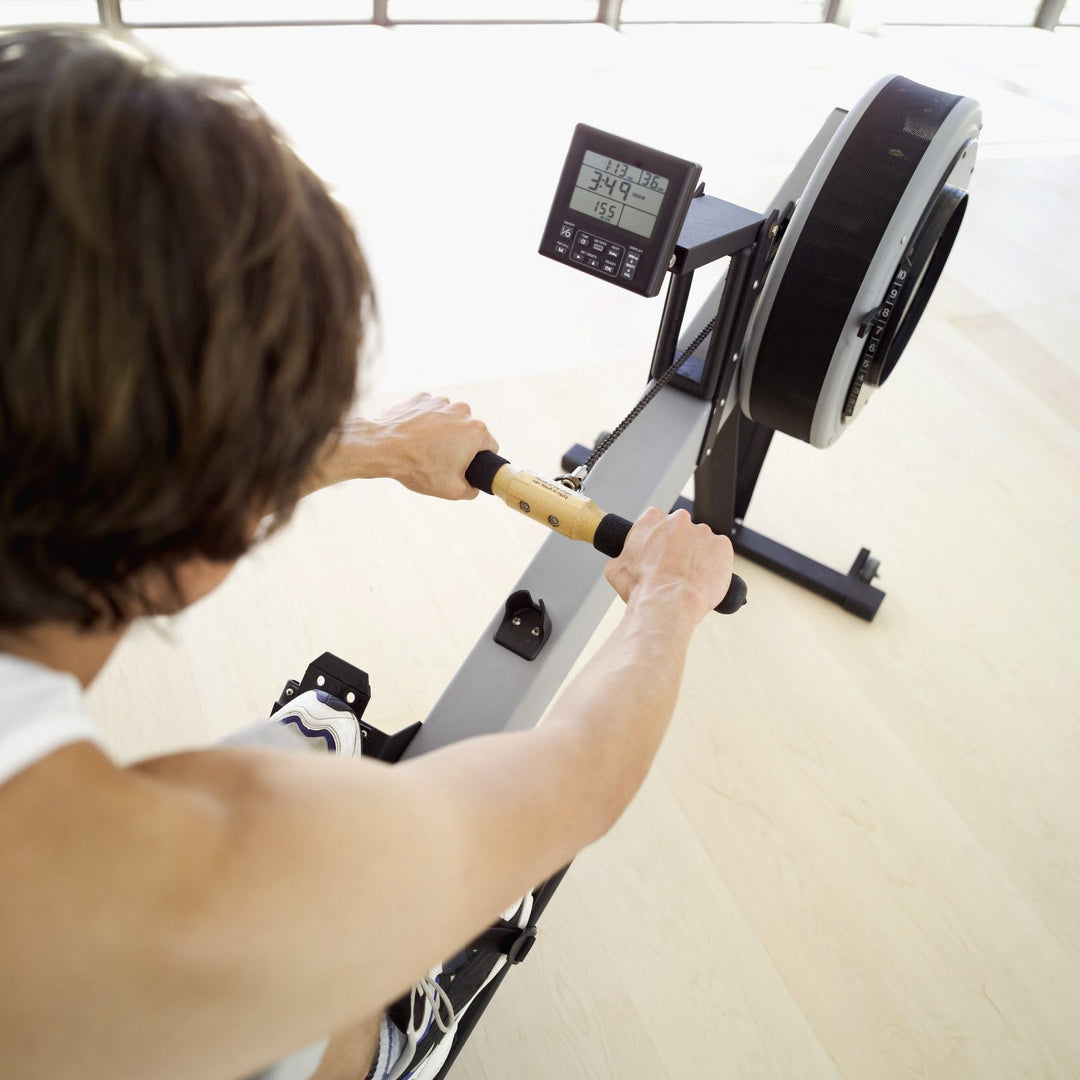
668	558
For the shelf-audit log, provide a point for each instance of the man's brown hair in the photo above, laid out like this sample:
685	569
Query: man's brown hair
182	305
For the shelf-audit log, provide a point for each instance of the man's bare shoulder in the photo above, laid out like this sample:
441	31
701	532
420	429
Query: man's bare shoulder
50	790
68	825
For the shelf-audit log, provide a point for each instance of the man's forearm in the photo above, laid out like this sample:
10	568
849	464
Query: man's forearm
364	460
562	785
424	443
621	705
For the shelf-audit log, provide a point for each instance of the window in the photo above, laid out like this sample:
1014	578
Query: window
722	11
29	12
493	10
959	12
178	12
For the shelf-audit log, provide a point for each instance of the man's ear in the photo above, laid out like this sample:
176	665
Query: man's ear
190	580
198	577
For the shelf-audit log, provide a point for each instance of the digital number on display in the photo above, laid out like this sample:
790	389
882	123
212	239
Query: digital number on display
620	194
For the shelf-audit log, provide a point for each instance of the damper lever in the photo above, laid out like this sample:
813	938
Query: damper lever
567	512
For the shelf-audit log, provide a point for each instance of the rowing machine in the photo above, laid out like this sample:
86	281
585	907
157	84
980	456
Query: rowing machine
821	295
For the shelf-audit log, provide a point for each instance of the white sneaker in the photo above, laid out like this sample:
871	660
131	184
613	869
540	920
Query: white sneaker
326	723
428	1018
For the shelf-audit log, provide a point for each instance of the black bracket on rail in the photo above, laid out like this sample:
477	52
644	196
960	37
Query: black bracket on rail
734	448
525	626
713	229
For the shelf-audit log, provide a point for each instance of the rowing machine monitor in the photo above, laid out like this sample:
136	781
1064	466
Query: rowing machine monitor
618	210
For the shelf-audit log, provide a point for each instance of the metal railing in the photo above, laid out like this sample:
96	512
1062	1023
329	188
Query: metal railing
1046	15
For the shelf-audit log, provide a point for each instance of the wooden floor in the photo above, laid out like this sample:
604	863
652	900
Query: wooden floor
859	853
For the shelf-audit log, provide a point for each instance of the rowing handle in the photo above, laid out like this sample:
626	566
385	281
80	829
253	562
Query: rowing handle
567	512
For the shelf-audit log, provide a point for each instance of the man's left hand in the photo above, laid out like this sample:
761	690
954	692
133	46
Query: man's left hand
425	443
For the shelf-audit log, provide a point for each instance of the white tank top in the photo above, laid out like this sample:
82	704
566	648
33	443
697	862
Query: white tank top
41	710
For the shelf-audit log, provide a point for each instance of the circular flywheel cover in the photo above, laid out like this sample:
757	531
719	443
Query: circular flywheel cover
858	259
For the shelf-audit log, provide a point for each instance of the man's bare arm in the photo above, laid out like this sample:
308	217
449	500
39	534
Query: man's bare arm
240	903
425	443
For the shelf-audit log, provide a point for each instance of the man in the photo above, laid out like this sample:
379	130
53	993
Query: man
181	308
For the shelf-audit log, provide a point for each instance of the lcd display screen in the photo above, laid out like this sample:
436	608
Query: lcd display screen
618	193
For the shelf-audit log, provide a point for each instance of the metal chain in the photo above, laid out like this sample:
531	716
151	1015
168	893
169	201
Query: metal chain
604	445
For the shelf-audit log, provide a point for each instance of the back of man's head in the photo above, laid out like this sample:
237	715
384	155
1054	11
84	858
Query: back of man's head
181	309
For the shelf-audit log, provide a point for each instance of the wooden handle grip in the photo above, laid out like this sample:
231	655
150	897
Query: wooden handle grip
567	512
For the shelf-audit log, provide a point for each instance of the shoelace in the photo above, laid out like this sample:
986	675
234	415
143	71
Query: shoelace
436	997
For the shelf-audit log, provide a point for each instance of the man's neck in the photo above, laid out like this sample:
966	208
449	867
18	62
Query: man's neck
63	647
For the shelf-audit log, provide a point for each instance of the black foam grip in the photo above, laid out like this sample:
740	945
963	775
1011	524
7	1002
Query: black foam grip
734	598
611	534
482	469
